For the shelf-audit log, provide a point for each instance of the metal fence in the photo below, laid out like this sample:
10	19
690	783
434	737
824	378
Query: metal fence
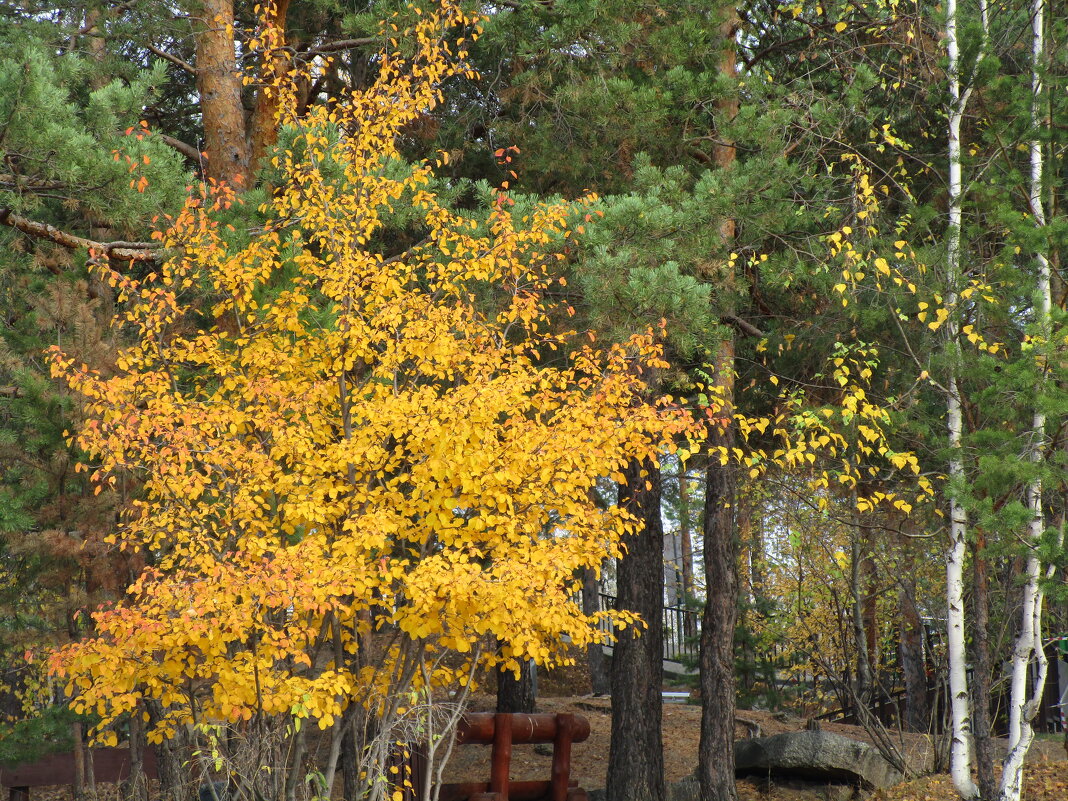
681	631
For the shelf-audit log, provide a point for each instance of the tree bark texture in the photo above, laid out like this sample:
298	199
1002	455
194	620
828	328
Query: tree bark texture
172	759
715	755
517	694
981	675
716	750
264	126
635	756
219	85
917	706
960	758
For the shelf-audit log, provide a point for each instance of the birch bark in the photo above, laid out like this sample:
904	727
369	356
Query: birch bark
1024	702
960	758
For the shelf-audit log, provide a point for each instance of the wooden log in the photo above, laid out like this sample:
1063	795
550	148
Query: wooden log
479	728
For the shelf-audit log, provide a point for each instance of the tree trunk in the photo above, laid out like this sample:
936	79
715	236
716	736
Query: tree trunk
350	760
264	126
636	756
595	659
715	756
1024	703
982	673
171	760
960	757
78	788
917	707
863	685
686	544
219	85
517	694
135	788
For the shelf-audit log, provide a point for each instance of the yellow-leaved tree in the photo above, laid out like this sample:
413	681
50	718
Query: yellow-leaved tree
368	464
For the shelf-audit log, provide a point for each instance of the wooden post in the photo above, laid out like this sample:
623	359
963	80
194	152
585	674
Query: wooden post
561	768
19	794
501	756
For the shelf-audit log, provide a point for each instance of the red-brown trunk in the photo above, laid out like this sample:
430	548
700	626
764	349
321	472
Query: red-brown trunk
219	85
264	127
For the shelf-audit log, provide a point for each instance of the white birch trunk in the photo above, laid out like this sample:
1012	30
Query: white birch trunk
1023	706
960	756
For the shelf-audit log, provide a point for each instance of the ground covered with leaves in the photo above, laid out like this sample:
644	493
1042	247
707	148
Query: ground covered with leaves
1046	776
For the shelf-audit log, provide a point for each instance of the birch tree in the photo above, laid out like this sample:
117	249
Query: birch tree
960	750
1024	701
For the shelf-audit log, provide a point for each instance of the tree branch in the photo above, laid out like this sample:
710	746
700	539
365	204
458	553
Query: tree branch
340	44
186	150
123	251
744	326
173	59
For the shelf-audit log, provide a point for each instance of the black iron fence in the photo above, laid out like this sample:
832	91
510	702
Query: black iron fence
681	631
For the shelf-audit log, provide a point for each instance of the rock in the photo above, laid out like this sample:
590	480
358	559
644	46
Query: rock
815	755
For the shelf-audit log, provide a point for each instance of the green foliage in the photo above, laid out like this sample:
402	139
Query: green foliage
31	739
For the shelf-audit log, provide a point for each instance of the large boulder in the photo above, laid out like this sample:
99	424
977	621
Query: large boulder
815	755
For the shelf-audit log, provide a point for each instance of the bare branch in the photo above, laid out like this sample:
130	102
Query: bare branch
185	149
123	251
744	326
340	44
173	59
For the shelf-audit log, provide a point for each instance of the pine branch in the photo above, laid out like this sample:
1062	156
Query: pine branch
184	148
123	251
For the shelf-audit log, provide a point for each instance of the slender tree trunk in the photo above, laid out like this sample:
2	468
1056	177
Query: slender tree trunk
1025	702
746	665
716	749
171	760
960	759
983	672
78	788
636	756
917	709
219	85
350	759
595	658
135	788
686	544
715	754
863	684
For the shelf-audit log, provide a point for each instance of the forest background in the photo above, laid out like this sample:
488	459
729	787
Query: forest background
847	216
